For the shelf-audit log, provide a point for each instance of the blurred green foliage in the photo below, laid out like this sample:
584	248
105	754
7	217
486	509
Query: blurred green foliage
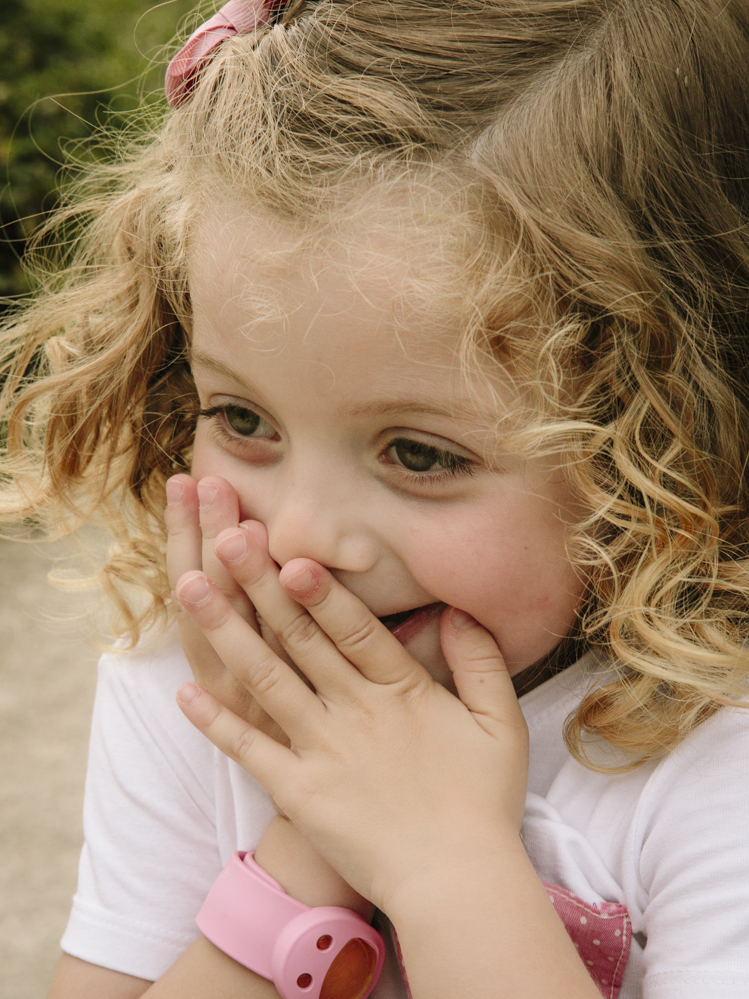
68	67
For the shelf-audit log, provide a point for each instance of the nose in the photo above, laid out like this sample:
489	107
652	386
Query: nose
323	518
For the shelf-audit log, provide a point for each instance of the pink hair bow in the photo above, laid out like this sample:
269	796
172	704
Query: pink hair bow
235	18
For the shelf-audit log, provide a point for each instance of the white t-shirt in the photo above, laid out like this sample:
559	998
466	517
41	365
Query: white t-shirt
669	842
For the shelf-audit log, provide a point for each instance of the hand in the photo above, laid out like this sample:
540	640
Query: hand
195	514
390	776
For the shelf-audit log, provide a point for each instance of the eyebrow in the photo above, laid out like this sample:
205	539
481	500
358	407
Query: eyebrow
383	407
213	364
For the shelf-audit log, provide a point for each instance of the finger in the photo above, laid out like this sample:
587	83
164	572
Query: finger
219	510
209	671
183	538
361	637
257	753
183	554
479	671
245	552
274	685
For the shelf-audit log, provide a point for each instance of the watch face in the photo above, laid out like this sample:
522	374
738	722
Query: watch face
350	976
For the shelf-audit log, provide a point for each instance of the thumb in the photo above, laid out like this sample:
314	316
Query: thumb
479	671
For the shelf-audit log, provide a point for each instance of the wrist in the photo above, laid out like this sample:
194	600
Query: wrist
447	879
469	923
302	872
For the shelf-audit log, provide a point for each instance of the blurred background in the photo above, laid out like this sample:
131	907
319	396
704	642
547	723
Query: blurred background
67	68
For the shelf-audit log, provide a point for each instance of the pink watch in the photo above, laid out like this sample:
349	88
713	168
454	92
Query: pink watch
308	953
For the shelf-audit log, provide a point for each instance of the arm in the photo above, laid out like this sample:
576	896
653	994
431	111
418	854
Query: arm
203	971
414	796
80	980
452	933
486	928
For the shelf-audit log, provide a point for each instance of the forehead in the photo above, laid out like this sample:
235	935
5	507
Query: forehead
267	280
370	307
391	252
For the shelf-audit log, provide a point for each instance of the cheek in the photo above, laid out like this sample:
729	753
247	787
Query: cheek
510	572
205	459
252	485
209	458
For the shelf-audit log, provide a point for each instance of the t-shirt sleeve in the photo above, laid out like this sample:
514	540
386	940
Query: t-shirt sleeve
693	833
150	852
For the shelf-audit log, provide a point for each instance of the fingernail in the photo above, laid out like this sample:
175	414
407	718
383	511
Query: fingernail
460	620
233	547
206	493
301	581
174	491
188	692
194	590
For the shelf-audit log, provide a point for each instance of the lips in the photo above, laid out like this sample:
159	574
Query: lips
407	624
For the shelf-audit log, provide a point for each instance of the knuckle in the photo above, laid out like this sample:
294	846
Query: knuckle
212	723
264	675
244	744
482	660
357	636
299	631
482	663
176	527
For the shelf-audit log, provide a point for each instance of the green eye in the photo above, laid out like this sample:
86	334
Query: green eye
242	421
429	462
418	457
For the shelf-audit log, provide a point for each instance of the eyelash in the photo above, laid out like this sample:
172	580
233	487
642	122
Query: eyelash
454	464
220	426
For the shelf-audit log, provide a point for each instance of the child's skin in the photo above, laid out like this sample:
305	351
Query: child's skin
396	787
319	474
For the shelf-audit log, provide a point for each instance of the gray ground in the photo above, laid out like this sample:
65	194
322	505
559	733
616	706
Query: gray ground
47	675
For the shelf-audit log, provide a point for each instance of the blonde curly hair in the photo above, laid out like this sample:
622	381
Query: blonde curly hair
595	150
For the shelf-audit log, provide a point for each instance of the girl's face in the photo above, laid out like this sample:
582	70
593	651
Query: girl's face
347	430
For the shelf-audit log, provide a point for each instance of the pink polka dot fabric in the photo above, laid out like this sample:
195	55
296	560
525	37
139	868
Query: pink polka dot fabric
602	934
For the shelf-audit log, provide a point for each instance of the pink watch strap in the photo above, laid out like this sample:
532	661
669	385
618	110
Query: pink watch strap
249	916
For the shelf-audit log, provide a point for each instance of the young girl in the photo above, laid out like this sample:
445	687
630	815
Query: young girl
430	321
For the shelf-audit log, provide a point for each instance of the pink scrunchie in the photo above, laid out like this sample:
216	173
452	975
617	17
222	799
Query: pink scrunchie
235	18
